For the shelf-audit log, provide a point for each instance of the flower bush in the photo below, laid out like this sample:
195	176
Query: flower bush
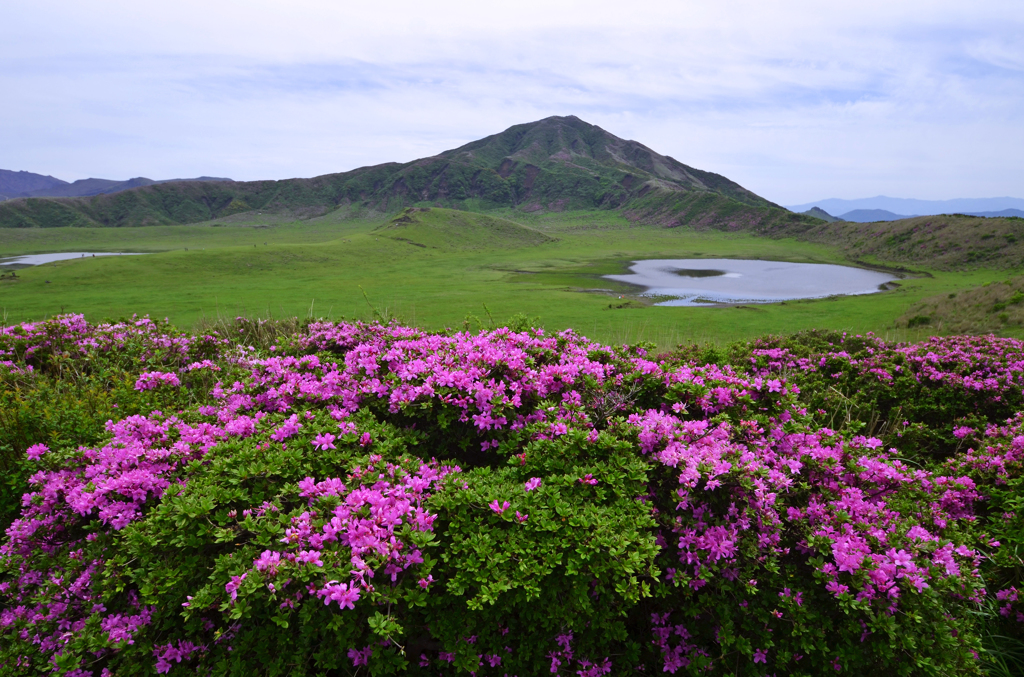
378	499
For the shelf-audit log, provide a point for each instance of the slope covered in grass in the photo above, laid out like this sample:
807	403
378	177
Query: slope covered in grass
996	307
436	228
704	210
945	242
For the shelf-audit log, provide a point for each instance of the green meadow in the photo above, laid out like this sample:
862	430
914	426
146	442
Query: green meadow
436	268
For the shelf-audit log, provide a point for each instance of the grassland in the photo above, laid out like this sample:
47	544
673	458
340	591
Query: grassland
994	307
946	241
547	267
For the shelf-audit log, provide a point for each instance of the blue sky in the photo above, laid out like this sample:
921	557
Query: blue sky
797	101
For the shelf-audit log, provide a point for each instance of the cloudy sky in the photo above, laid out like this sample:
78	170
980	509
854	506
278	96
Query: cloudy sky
797	101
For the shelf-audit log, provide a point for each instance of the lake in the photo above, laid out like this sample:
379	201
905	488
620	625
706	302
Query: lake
39	259
704	282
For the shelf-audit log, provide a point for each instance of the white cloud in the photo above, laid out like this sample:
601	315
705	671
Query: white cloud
795	100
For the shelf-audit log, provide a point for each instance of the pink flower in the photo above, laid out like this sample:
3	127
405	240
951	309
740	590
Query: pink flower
346	596
498	509
532	483
521	517
232	586
365	439
360	657
35	452
760	656
152	379
268	562
324	441
588	479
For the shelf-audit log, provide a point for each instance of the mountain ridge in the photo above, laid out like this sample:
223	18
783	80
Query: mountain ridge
27	184
906	206
554	164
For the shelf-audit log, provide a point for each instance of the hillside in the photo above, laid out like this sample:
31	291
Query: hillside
946	242
555	164
706	210
990	308
437	228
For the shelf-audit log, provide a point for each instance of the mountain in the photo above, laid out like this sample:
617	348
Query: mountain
819	213
872	215
554	164
1016	213
25	183
909	206
47	186
87	187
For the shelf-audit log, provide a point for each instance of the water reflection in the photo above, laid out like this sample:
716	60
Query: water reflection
700	282
39	259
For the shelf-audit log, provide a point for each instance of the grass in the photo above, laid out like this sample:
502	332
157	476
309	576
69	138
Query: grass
995	307
947	242
270	268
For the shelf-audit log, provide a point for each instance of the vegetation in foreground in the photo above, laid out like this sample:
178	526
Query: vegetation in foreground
327	498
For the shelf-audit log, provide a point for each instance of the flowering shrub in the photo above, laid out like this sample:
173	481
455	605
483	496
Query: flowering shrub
64	379
366	498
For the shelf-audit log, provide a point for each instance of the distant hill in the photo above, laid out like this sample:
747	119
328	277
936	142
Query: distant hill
13	184
27	184
945	241
1018	213
819	213
437	228
554	164
872	215
898	205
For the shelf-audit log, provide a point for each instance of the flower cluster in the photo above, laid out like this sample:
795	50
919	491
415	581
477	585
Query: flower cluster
337	490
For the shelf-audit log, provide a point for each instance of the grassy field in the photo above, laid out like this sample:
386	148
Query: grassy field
434	272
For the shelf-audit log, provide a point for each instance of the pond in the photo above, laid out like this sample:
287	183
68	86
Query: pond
704	282
39	259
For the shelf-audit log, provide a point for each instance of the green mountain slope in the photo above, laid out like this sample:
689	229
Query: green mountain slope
438	228
945	242
994	308
554	164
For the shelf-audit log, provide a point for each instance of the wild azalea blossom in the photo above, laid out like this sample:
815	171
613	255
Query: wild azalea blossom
733	476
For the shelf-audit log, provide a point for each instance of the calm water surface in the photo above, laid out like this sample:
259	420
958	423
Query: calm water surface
702	282
40	259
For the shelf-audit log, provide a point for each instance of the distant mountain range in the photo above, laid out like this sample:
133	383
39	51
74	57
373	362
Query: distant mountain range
26	184
875	215
554	164
901	208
